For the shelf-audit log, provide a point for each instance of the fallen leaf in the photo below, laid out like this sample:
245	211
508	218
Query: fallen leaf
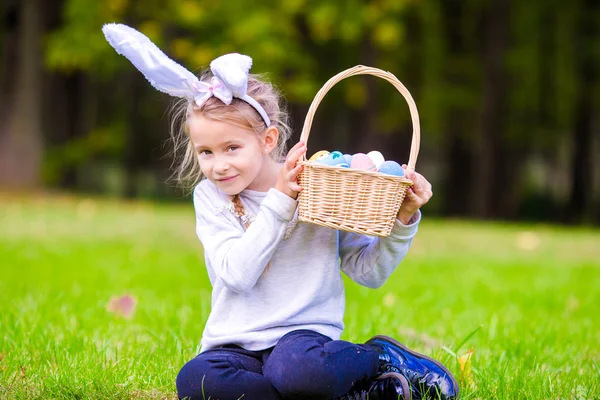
464	362
389	300
528	241
86	209
122	305
573	304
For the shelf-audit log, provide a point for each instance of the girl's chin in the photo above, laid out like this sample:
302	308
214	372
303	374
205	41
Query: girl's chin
231	191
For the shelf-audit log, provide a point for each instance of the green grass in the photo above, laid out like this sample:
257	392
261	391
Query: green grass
531	302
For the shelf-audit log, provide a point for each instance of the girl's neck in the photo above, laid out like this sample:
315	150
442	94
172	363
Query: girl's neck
267	177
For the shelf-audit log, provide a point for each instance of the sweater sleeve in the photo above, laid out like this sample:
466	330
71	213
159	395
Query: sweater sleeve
239	257
370	260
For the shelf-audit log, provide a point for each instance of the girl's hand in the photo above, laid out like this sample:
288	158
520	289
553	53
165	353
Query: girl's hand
287	181
416	196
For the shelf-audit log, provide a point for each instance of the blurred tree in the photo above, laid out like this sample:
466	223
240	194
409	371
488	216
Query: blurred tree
507	91
585	110
21	138
459	89
492	155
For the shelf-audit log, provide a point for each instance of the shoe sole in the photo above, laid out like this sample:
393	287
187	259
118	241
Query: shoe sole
407	394
417	354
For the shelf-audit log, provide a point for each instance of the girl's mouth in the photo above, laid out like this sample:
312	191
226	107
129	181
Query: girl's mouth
229	179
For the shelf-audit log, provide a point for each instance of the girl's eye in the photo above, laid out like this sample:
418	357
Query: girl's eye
205	152
233	148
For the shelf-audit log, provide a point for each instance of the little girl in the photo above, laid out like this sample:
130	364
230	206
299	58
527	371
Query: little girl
278	295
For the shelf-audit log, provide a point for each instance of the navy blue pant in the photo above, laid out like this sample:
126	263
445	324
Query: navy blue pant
302	365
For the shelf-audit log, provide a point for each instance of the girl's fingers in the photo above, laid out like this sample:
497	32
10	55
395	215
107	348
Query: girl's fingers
294	172
298	153
294	156
420	192
291	161
411	197
418	181
296	146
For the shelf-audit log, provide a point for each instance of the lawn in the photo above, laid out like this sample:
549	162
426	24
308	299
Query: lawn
525	299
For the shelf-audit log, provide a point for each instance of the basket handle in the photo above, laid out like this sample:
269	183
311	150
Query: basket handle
362	70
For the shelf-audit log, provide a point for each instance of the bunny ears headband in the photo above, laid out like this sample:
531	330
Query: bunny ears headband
230	70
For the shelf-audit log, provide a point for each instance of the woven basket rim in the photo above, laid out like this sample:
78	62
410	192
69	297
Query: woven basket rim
314	164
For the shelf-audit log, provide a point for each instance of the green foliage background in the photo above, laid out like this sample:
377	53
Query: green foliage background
500	86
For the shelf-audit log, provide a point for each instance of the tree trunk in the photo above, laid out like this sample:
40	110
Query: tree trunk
458	157
136	139
8	36
62	120
489	140
20	121
581	163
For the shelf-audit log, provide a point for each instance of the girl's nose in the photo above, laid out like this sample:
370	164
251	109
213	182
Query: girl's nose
221	165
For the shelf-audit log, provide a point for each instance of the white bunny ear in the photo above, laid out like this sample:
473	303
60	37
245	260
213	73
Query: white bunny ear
233	69
162	72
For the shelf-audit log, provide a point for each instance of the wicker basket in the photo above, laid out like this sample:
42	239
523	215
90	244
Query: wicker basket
349	199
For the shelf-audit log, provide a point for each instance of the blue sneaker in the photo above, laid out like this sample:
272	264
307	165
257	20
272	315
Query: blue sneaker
428	378
387	386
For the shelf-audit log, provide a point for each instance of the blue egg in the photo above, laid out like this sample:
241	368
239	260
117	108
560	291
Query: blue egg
348	158
391	168
333	158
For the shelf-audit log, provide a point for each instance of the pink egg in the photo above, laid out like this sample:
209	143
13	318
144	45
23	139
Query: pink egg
362	161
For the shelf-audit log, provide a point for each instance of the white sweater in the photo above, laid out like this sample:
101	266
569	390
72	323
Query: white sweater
254	306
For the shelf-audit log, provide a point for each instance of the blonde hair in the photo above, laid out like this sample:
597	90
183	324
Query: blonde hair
239	113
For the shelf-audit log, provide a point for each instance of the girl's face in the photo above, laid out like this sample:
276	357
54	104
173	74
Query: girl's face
231	157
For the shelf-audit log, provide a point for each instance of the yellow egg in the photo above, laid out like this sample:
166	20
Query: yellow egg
318	154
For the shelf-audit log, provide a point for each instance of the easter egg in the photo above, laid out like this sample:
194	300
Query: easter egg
318	155
348	159
391	168
362	161
333	158
376	157
336	154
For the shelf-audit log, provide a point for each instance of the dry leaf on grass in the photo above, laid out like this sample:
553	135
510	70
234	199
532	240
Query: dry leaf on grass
464	362
123	306
528	241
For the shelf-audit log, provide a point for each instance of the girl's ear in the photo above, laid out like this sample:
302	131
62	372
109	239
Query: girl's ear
270	139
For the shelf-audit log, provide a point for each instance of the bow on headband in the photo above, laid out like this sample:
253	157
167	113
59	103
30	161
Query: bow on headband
230	70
